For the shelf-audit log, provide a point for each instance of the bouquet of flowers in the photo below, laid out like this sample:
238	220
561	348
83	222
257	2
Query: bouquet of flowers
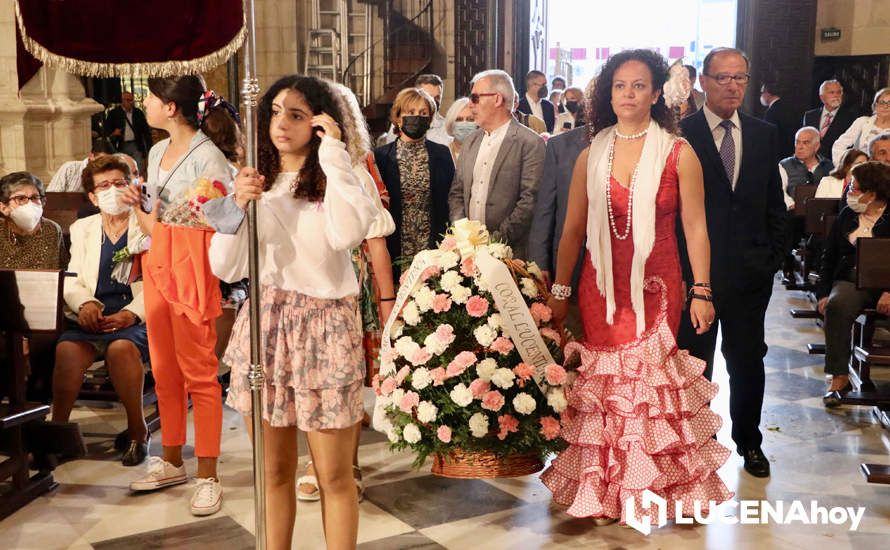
474	364
186	210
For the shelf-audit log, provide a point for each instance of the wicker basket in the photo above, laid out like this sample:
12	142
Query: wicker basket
477	464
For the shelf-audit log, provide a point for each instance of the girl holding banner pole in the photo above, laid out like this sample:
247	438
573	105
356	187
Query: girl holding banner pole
312	210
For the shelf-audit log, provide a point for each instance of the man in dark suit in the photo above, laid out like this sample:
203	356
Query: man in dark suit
779	113
549	214
128	130
534	102
833	118
746	222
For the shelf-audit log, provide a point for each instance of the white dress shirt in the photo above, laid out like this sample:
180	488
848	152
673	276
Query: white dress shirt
825	113
719	133
67	177
535	104
304	246
488	152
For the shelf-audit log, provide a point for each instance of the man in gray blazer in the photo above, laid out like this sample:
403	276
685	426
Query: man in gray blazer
500	165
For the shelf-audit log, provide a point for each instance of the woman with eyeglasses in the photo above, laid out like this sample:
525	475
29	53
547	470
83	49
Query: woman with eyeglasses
106	313
28	240
864	128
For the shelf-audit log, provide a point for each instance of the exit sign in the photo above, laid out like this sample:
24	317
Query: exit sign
830	34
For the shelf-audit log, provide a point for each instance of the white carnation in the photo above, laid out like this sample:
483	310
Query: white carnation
500	251
410	314
480	284
434	345
535	270
461	395
503	378
495	321
424	298
420	378
447	260
460	294
426	412
393	435
485	335
450	279
479	425
486	368
396	396
524	403
411	433
387	368
396	330
406	347
556	398
529	288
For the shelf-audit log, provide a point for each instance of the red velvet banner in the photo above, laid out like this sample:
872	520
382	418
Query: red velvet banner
115	38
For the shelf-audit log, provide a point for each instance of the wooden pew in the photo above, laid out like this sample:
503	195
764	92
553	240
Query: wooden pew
65	208
16	412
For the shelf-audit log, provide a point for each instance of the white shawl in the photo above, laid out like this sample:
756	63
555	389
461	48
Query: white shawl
656	149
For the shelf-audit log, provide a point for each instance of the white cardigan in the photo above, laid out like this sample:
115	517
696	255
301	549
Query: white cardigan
304	246
857	135
86	248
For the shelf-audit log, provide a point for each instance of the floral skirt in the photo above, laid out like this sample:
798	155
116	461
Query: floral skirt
312	360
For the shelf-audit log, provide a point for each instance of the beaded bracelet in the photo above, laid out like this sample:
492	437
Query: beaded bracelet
560	292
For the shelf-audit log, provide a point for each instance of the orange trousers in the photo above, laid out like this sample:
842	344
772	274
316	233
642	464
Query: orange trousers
182	302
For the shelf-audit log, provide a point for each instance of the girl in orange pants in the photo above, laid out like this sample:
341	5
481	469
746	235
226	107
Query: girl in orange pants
182	296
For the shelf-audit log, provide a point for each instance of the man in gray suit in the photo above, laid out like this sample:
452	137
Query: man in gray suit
550	211
500	165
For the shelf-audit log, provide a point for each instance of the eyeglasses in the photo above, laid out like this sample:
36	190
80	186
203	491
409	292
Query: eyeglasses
882	103
118	184
474	98
723	78
22	200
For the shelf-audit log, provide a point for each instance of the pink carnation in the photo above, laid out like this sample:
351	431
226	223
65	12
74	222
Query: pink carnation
438	375
524	371
468	267
478	387
541	313
502	345
441	303
508	425
461	362
477	306
548	332
409	401
388	385
444	434
448	243
389	355
493	401
445	333
555	374
431	271
402	374
420	357
549	427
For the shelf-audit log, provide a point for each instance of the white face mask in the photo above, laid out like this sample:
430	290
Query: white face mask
27	216
856	205
109	203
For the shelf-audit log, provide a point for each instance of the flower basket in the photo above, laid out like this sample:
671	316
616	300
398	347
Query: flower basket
483	464
470	367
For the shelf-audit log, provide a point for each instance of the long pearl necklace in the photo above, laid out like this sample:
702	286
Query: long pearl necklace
630	200
638	135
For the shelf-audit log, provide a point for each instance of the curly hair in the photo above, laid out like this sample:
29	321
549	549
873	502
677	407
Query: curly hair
355	127
599	112
311	181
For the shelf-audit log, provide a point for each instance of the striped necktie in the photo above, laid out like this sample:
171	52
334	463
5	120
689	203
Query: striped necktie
825	124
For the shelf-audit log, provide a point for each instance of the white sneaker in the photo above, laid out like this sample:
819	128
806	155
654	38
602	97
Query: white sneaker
207	498
159	474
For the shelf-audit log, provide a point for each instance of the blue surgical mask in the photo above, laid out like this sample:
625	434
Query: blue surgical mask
462	129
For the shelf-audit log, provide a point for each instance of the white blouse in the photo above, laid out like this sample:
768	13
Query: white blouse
857	135
304	246
383	225
830	187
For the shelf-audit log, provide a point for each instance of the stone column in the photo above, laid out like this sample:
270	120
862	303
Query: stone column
48	123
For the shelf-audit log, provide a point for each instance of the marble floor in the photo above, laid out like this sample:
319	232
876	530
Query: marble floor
814	454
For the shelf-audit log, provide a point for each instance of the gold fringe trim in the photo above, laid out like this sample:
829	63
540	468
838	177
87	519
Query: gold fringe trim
128	70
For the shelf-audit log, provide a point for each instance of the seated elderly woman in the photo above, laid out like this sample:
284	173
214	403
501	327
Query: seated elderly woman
840	301
27	239
106	311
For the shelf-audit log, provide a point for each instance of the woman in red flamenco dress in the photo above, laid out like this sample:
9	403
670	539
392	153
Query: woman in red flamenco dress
639	415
